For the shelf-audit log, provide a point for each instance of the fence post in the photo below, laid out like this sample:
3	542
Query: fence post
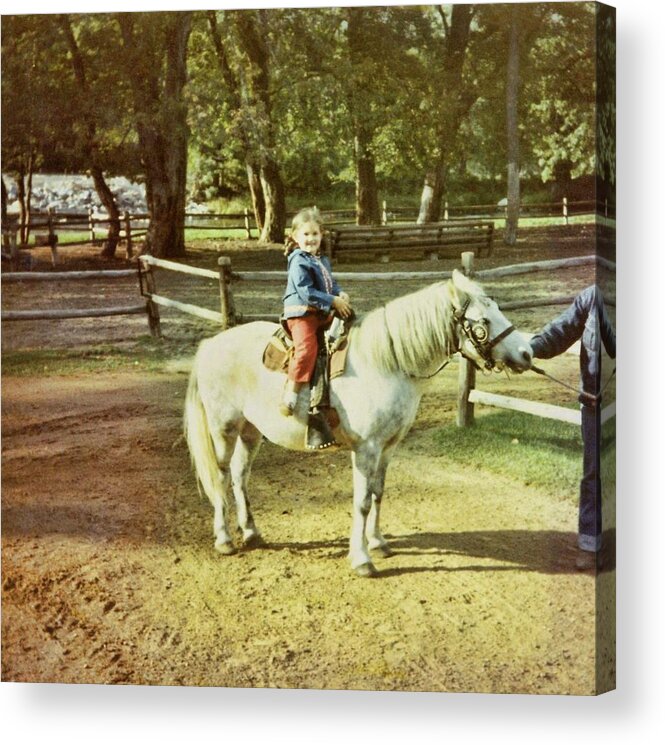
52	237
445	210
225	292
565	211
128	236
91	225
152	309
384	213
247	225
466	380
13	250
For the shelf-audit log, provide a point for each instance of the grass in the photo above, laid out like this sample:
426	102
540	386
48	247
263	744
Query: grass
102	358
544	453
540	452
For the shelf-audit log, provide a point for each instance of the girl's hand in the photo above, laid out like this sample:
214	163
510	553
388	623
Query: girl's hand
342	307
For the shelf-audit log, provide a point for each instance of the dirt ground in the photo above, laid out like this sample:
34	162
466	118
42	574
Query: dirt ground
109	573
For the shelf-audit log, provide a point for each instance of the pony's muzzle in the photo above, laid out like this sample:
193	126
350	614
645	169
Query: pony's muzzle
526	355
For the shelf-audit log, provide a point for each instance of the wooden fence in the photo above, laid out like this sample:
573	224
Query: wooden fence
59	313
133	226
468	394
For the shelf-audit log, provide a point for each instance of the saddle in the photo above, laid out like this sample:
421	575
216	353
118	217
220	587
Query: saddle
330	363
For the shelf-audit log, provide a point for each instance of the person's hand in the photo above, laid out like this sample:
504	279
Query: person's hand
342	306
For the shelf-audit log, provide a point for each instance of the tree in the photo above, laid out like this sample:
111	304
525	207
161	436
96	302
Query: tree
359	33
155	64
454	101
254	73
512	131
234	96
87	107
33	105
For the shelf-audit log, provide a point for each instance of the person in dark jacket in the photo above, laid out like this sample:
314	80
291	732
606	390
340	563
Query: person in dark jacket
585	319
311	298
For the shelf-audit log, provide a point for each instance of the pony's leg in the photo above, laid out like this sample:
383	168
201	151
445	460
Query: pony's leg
246	449
224	443
365	463
375	540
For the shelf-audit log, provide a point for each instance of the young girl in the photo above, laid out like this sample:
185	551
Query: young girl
311	297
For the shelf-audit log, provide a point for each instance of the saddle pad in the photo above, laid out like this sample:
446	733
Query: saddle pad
278	351
338	359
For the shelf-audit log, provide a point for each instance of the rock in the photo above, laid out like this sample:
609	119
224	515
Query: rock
76	194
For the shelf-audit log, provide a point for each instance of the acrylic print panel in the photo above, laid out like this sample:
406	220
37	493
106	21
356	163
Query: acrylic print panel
458	137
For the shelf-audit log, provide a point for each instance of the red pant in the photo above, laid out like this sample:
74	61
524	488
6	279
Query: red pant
303	332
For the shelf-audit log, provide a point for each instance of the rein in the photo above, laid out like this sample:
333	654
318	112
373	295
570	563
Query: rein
581	393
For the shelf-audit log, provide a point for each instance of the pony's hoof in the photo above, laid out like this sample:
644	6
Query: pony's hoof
366	570
226	549
383	551
255	540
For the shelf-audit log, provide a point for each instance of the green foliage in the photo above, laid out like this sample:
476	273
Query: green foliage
394	87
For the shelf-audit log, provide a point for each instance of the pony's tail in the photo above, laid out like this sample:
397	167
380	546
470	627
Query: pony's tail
199	439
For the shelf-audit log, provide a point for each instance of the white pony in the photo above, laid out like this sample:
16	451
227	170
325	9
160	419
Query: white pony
233	400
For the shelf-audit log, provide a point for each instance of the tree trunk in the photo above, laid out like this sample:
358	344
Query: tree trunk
22	211
432	195
368	211
232	83
512	98
256	193
274	225
367	195
28	198
256	106
454	105
5	217
161	123
89	146
108	201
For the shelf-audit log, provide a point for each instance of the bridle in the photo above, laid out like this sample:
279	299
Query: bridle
478	333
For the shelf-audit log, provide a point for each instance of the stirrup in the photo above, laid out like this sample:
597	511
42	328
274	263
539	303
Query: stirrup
319	435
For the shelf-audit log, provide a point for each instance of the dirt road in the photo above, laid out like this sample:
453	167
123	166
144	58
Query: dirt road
109	572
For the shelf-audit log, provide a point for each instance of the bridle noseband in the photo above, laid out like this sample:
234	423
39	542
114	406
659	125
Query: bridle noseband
478	333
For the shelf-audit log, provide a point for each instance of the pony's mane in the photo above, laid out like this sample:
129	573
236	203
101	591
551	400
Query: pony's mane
412	332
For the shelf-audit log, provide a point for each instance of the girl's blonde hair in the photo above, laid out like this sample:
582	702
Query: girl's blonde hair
308	214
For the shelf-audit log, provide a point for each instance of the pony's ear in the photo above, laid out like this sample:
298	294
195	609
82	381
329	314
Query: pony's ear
465	286
461	287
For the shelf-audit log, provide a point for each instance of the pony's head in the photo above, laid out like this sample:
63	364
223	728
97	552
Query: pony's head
486	336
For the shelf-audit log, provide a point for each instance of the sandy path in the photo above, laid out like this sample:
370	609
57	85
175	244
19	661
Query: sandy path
109	572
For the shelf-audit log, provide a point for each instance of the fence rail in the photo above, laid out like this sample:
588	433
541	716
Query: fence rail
468	394
61	313
133	226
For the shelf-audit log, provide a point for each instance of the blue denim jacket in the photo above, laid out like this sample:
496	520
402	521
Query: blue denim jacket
310	284
585	319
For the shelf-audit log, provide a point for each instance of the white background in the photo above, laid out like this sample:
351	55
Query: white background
634	713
